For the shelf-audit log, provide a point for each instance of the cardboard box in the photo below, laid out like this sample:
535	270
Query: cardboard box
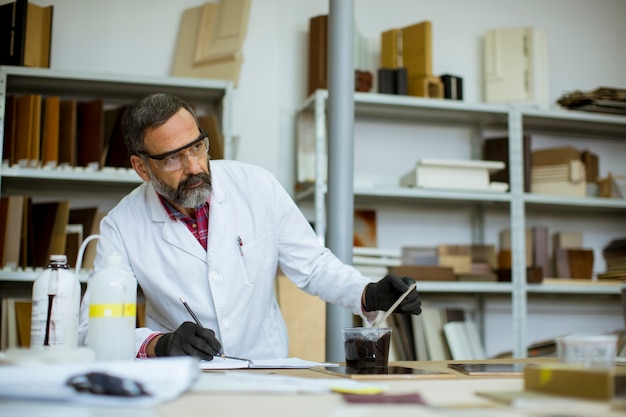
587	383
567	179
534	275
457	257
555	156
424	272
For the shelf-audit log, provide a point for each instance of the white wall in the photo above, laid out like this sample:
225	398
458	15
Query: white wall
585	46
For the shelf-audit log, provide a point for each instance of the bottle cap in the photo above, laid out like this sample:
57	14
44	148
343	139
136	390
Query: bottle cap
114	258
58	258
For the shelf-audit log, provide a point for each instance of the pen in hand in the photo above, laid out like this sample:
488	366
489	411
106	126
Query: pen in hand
195	318
220	352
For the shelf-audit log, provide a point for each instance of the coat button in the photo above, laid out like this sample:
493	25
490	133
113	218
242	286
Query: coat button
214	274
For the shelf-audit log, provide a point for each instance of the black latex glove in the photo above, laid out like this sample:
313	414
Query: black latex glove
189	339
382	294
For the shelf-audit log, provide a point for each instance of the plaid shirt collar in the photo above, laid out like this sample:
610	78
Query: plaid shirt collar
177	215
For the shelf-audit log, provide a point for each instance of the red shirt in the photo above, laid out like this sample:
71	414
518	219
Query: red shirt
198	227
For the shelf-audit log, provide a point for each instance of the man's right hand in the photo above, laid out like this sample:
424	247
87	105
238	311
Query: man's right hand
189	339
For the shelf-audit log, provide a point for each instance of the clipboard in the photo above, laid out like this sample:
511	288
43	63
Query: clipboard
499	369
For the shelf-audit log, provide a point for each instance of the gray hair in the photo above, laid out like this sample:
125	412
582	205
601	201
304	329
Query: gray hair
150	112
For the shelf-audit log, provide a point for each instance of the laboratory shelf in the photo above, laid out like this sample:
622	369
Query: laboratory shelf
31	274
420	109
582	203
409	195
567	287
573	123
476	121
123	175
575	286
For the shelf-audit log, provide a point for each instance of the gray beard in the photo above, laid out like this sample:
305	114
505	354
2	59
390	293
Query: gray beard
181	196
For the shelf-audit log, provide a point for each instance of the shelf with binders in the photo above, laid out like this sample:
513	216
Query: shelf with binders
55	118
103	176
117	88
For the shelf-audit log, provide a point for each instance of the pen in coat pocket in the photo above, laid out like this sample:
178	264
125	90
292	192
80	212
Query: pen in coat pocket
240	245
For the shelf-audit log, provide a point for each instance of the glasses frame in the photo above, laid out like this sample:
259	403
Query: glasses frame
160	157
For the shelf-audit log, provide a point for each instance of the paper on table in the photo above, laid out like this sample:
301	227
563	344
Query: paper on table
61	409
289	363
271	383
164	378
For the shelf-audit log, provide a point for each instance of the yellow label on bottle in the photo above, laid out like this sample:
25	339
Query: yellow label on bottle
112	310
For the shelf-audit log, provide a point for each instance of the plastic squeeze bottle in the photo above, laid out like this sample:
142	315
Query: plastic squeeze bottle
56	305
112	312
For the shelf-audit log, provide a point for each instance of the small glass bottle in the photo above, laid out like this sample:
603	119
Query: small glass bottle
56	306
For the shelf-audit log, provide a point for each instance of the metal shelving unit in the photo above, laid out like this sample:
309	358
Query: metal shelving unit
507	288
517	121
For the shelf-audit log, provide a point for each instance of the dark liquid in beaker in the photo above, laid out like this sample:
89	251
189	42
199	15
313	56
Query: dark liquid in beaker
364	353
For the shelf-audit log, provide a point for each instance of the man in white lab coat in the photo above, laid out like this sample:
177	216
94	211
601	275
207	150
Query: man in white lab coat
214	233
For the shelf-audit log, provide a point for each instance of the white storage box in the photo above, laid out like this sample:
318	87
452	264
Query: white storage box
454	174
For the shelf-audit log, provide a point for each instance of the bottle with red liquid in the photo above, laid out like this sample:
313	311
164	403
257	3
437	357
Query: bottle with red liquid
56	306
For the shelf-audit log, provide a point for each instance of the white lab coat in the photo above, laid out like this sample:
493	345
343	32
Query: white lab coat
230	293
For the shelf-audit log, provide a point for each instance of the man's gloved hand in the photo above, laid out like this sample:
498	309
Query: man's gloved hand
189	339
382	294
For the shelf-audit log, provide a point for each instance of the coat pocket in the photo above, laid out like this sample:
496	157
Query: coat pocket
254	257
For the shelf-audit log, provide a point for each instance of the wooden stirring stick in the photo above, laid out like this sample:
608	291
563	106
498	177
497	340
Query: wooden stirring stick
382	319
